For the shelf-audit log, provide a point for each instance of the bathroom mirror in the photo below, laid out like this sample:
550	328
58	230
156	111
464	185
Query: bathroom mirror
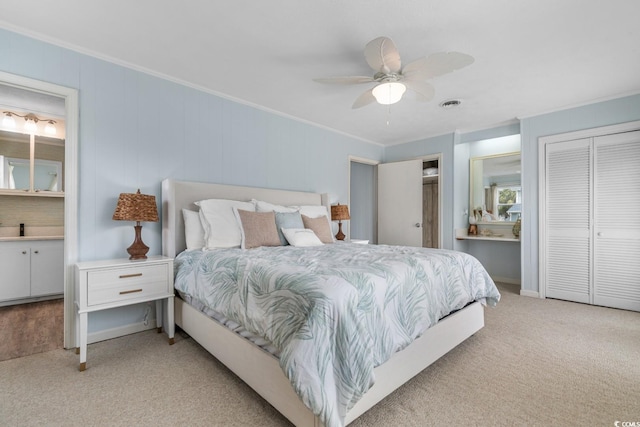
15	173
495	187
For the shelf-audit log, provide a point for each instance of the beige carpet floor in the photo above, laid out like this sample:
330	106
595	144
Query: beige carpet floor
536	363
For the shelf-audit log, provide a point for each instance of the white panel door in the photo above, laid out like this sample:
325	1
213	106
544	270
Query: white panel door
400	203
568	220
617	221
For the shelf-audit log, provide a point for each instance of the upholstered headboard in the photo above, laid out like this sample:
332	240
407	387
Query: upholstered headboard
177	195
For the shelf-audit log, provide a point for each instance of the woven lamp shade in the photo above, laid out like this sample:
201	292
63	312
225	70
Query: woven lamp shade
136	207
339	212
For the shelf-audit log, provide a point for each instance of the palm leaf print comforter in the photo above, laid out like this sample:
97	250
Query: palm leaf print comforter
336	311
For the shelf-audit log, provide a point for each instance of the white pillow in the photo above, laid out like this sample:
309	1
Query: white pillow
221	228
301	237
193	231
270	207
313	211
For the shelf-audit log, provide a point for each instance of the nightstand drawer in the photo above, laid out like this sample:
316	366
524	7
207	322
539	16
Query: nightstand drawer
121	284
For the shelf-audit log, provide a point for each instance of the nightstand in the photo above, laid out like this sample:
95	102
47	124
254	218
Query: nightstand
360	241
101	285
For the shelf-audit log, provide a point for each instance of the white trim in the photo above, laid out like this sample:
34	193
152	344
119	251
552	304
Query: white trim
148	71
542	207
132	328
363	160
580	104
528	293
71	187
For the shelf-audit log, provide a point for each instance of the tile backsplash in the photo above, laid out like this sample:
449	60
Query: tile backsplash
31	211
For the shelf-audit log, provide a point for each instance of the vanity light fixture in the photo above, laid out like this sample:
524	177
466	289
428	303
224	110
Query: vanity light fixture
50	128
30	122
8	121
388	93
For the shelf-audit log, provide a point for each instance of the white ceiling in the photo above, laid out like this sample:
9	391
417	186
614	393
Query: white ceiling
531	56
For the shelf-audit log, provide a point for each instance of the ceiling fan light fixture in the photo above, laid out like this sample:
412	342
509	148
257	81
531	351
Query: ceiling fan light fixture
389	92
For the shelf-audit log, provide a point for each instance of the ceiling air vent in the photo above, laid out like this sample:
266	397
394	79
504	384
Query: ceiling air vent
451	103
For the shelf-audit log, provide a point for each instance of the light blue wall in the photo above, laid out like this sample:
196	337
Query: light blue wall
137	129
600	114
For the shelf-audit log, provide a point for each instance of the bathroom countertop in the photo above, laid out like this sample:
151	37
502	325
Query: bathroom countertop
12	233
25	238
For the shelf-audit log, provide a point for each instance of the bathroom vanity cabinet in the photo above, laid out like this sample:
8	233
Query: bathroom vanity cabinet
31	270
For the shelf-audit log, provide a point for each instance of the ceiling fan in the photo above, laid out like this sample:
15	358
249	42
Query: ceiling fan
393	80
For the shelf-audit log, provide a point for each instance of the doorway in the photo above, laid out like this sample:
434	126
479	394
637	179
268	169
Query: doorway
363	195
409	205
70	239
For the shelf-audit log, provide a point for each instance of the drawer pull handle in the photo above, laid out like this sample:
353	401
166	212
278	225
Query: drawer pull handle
130	292
124	276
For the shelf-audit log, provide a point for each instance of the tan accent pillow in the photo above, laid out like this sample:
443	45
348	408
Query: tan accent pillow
258	229
320	226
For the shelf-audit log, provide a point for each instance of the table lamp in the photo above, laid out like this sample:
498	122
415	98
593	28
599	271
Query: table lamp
340	213
136	207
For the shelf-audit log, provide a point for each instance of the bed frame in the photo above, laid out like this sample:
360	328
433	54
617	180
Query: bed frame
258	368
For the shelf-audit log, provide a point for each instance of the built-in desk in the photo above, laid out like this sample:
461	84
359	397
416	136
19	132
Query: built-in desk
489	231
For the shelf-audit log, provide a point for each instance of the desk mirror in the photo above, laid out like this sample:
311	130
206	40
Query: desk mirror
495	188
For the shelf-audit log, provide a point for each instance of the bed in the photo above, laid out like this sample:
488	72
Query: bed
261	369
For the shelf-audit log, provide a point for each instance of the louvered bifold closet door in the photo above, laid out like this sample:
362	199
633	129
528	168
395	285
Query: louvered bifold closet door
617	221
567	220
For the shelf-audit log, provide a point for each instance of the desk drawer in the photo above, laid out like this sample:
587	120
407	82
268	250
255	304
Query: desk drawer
121	284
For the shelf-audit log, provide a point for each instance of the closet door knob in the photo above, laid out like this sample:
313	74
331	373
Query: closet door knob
418	225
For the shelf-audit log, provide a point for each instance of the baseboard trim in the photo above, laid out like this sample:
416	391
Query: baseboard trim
108	334
528	293
508	280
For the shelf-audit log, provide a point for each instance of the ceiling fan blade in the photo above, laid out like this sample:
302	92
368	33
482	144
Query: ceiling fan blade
381	55
348	80
436	65
424	90
364	99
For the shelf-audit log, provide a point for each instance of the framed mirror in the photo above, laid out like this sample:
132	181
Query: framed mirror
495	187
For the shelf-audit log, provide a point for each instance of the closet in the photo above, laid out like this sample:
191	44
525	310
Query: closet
590	219
430	177
409	202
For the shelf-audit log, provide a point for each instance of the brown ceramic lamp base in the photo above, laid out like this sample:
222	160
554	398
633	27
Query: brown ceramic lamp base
340	235
138	250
